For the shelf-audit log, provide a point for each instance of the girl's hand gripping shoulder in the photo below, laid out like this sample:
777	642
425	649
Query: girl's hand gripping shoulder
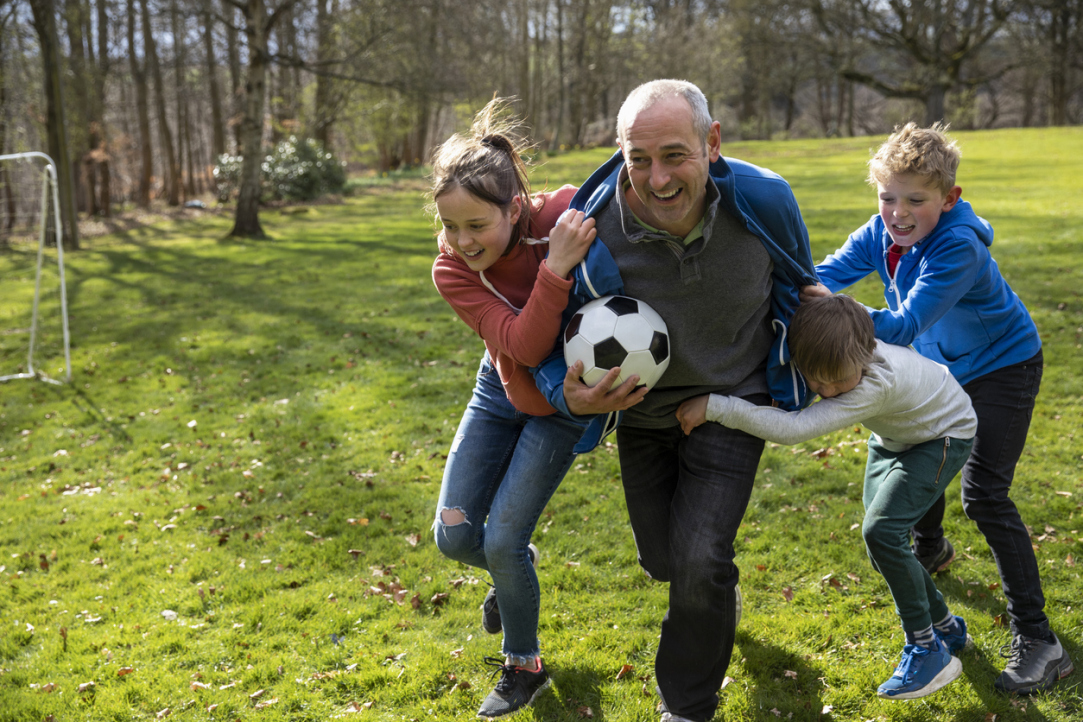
569	241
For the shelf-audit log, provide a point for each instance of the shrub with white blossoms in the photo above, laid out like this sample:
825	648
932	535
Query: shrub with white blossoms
297	169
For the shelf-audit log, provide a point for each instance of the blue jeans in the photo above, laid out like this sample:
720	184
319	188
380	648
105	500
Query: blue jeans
503	468
900	487
1003	401
686	496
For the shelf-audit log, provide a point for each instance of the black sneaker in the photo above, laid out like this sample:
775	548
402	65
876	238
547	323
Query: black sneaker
490	612
1033	665
516	689
938	559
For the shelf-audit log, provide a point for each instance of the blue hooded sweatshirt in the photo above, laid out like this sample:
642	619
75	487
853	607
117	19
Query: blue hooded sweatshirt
758	198
947	299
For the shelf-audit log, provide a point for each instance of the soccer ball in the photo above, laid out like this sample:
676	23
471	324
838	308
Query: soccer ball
618	331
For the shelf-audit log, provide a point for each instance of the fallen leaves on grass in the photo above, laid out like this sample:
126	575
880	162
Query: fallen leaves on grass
787	594
625	669
124	671
790	673
164	713
412	539
86	687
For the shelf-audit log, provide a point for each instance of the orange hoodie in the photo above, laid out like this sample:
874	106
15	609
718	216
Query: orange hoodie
515	339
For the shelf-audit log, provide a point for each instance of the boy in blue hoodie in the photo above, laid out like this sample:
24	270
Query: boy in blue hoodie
947	298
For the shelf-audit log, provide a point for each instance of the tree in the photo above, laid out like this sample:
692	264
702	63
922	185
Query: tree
934	40
55	122
139	77
172	181
258	26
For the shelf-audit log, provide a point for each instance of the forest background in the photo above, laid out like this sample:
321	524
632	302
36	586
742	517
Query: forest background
137	99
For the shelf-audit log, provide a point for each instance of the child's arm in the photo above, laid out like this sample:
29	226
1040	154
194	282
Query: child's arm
948	272
569	241
785	427
858	257
692	412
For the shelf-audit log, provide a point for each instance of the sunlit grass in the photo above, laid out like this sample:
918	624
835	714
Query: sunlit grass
288	528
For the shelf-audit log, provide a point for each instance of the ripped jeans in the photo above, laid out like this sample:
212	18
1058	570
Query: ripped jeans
503	468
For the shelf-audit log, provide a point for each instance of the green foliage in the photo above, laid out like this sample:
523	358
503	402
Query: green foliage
289	527
297	170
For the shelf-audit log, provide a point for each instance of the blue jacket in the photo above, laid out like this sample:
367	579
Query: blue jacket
947	299
756	196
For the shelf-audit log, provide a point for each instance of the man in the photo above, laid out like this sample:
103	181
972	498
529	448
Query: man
718	248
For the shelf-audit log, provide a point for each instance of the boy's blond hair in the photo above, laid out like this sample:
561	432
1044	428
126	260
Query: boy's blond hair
831	338
924	152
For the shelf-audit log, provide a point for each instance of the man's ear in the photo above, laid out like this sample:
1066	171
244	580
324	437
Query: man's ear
714	142
951	198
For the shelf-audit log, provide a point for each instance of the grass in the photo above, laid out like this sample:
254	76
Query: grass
273	559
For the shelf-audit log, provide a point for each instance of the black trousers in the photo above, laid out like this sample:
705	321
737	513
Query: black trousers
1003	401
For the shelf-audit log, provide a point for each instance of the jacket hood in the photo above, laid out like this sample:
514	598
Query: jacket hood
963	216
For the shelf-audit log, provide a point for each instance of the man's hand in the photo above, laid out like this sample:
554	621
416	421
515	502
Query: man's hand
692	413
807	293
586	400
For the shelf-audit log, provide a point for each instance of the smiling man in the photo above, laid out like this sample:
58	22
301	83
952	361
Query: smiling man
718	248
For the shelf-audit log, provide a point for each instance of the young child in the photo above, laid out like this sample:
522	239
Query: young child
922	428
947	298
511	449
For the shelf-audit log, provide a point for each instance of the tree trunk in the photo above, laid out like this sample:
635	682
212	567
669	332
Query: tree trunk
934	104
180	96
99	144
55	121
75	11
246	223
1059	44
218	133
139	75
235	90
323	113
172	186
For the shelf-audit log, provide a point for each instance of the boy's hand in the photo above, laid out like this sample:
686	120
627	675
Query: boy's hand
569	241
601	398
807	293
692	413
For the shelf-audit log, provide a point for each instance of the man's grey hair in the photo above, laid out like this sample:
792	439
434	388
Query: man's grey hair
648	94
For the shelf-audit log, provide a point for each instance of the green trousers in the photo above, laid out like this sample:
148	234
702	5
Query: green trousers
900	486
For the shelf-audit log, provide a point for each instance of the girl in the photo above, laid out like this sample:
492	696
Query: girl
511	449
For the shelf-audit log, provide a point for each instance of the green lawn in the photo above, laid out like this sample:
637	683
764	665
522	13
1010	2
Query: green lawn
226	514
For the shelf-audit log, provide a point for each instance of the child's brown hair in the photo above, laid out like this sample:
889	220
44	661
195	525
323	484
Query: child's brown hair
831	338
912	150
487	164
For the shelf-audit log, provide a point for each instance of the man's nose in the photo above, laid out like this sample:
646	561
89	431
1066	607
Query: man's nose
660	176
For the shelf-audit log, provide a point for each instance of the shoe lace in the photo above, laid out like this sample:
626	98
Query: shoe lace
1018	651
910	656
507	674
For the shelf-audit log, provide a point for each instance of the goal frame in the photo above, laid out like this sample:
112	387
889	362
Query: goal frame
48	181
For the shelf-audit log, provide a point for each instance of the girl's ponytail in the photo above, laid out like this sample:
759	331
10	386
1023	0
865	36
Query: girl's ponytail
488	164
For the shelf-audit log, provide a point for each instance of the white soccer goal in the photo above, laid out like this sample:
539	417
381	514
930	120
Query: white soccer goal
48	182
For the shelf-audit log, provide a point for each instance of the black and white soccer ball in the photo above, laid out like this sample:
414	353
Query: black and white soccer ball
618	331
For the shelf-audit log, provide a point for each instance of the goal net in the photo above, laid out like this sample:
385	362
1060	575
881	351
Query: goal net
29	199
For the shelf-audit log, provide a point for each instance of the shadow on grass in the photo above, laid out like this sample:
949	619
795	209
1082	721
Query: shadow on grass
780	679
981	671
573	691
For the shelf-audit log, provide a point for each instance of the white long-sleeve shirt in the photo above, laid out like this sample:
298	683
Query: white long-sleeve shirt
903	398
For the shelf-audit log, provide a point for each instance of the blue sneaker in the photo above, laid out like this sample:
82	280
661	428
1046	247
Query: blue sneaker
955	642
921	672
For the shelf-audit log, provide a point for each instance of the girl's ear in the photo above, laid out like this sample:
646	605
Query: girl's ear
515	210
